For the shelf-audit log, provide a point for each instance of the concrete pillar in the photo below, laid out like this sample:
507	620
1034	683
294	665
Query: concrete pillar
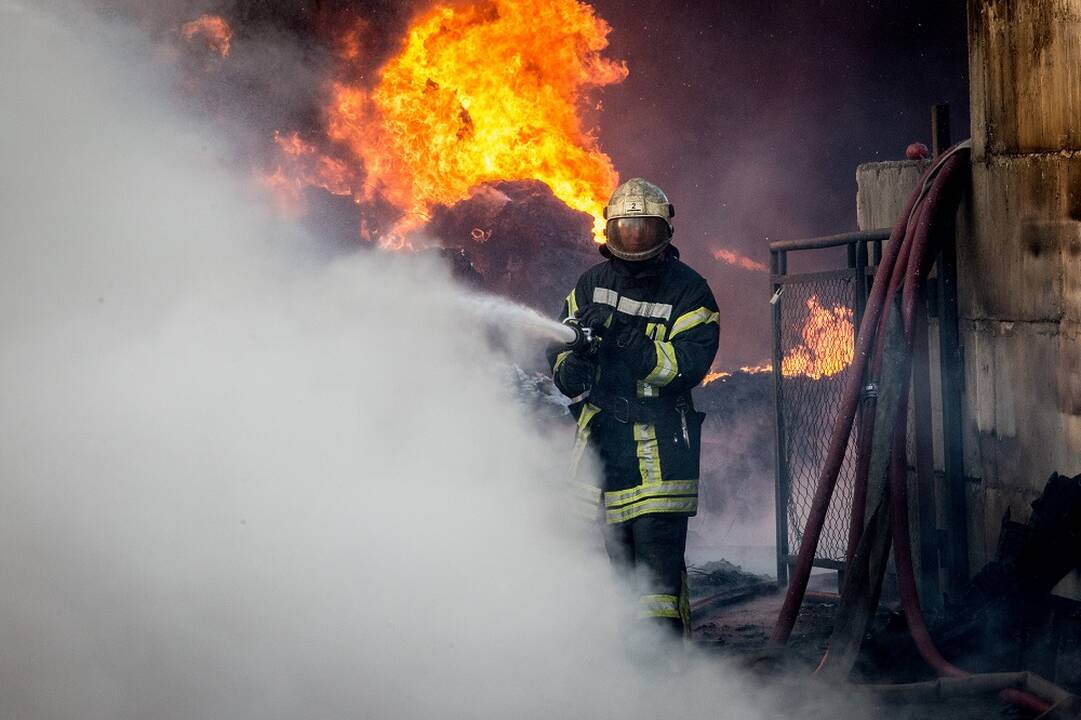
1020	268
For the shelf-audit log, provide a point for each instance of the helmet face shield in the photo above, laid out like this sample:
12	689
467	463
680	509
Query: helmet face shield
637	238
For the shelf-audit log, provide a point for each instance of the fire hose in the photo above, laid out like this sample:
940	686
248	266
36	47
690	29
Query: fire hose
911	250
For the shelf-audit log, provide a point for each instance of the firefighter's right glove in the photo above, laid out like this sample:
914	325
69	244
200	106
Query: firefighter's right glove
576	373
627	344
596	316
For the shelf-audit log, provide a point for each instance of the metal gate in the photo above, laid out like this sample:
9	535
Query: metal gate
815	318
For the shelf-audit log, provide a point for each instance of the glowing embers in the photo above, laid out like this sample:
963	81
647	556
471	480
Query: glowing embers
479	92
827	342
211	30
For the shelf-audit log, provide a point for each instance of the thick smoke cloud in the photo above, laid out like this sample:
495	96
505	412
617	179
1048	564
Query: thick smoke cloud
240	480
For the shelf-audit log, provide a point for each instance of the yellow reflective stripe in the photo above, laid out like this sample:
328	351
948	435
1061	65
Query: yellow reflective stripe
559	360
693	319
667	367
581	439
655	331
663	606
589	410
572	305
616	498
649	456
652	505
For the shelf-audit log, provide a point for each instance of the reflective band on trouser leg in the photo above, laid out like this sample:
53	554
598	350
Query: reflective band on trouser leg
665	488
684	505
667	367
685	604
588	494
649	456
659	606
693	319
581	439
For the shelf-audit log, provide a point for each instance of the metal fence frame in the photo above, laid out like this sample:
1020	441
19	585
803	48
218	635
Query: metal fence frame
858	272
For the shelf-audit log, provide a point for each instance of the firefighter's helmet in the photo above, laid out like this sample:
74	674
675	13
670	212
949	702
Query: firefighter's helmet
639	220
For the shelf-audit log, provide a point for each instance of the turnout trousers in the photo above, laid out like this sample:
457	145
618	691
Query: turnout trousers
650	549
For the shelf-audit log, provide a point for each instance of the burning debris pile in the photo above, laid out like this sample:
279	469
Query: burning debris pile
521	239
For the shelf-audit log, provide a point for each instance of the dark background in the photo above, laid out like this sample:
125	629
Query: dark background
754	115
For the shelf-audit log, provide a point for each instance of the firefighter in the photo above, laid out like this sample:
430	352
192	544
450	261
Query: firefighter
656	327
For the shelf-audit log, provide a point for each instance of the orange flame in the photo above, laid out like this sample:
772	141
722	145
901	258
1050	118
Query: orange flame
723	375
214	30
482	91
301	165
742	261
826	349
827	346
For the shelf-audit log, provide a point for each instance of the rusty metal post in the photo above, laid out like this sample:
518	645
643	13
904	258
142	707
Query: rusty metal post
952	371
778	267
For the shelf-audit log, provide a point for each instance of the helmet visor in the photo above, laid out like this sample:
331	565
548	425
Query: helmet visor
636	238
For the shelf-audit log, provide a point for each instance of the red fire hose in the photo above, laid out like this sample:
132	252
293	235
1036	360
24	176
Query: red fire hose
909	255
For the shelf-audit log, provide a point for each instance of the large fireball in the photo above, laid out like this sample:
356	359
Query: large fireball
479	92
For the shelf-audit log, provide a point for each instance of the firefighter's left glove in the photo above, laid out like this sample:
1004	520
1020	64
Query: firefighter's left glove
596	316
576	373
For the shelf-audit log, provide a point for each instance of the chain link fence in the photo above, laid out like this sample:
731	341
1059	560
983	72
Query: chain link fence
817	337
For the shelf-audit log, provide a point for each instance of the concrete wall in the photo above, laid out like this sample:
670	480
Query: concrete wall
1020	268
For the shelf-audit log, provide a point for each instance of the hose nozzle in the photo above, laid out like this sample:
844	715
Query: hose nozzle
584	340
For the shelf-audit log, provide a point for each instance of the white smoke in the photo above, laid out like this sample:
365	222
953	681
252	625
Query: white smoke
237	480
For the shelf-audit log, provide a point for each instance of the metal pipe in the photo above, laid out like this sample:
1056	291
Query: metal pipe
780	487
828	241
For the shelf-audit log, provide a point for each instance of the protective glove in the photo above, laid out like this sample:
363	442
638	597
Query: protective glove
627	343
576	373
596	317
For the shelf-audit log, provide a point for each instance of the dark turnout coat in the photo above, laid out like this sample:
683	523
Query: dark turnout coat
638	415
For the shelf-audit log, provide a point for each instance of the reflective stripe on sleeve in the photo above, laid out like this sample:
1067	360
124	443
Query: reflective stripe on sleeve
693	319
572	304
667	367
658	606
559	360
